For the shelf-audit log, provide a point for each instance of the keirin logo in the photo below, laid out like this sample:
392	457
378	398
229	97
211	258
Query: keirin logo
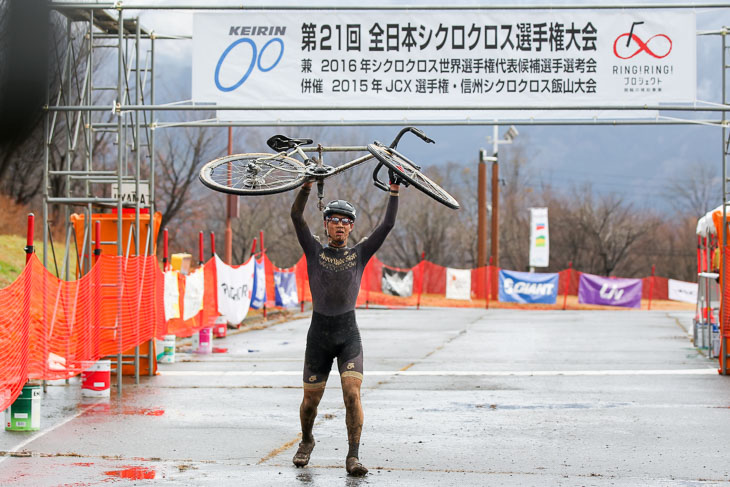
611	291
662	45
256	57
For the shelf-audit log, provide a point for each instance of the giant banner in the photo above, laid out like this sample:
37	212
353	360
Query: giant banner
527	287
453	64
235	286
606	291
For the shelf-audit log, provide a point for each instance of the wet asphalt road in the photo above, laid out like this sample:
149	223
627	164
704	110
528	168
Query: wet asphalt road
451	397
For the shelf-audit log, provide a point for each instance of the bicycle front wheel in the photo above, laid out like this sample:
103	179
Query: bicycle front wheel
253	174
409	171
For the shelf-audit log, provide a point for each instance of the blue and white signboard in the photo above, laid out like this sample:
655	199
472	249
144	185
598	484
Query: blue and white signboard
285	285
527	287
258	298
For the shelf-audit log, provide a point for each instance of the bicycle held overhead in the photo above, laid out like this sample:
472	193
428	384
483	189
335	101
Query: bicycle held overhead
290	167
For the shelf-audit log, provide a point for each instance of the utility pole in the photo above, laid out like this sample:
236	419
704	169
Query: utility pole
508	138
231	207
482	209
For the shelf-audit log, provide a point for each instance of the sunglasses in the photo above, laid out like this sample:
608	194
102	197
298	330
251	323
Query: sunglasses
337	219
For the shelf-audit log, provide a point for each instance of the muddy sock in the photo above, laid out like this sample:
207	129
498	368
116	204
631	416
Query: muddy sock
354	450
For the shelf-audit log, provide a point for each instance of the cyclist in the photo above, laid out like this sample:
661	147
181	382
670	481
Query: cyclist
335	271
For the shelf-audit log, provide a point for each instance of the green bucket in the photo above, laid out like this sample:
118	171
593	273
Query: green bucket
25	413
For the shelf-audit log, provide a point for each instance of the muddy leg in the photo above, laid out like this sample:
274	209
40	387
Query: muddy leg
354	419
307	415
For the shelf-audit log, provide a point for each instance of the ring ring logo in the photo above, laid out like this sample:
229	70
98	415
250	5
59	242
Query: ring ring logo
256	56
657	51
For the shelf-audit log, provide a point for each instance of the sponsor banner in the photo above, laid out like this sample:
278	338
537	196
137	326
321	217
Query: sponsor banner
440	59
594	289
527	287
234	288
285	285
458	283
682	291
397	283
171	296
539	238
258	295
193	298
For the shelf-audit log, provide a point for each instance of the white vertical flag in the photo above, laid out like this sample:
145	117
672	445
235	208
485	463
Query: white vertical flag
539	239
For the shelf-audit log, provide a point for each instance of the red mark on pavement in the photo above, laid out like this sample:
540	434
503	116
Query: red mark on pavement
220	350
133	473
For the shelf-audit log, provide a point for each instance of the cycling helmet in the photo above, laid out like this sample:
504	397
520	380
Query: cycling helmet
340	207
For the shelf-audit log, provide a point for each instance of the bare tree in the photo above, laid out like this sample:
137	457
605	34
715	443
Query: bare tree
612	229
184	151
696	189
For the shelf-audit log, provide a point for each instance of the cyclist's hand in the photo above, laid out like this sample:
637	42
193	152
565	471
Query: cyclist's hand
396	179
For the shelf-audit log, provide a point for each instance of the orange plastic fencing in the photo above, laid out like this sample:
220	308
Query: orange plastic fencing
51	328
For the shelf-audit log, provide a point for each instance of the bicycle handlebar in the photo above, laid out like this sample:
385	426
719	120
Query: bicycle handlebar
415	131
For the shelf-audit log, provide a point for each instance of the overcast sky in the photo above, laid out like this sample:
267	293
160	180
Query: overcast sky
636	161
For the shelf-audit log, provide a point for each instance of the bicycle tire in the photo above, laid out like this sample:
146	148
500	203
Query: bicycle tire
253	174
407	170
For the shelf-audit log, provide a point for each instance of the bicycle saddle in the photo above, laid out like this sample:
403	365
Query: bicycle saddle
281	142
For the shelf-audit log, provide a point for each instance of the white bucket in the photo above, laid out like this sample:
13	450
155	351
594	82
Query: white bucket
96	379
166	350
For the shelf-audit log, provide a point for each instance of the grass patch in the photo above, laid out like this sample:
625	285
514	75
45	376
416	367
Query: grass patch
12	258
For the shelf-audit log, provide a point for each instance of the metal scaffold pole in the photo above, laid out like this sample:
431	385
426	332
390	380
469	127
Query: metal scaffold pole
723	311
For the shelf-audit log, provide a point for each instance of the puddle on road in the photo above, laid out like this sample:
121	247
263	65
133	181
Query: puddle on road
105	408
462	406
132	473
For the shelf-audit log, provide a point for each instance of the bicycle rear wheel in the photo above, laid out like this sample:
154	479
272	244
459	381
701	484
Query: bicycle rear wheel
253	174
409	171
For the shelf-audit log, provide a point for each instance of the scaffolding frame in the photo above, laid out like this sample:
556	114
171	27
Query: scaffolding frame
135	117
88	30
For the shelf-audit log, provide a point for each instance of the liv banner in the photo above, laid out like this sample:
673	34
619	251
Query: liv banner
285	285
452	64
527	287
610	292
235	285
539	238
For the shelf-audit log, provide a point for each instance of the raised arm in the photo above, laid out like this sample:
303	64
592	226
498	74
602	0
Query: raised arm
304	235
376	239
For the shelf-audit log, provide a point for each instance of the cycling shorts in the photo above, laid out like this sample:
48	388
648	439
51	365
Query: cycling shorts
331	337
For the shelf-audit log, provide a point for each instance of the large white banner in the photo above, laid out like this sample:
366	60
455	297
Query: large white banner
539	238
682	291
472	59
235	285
